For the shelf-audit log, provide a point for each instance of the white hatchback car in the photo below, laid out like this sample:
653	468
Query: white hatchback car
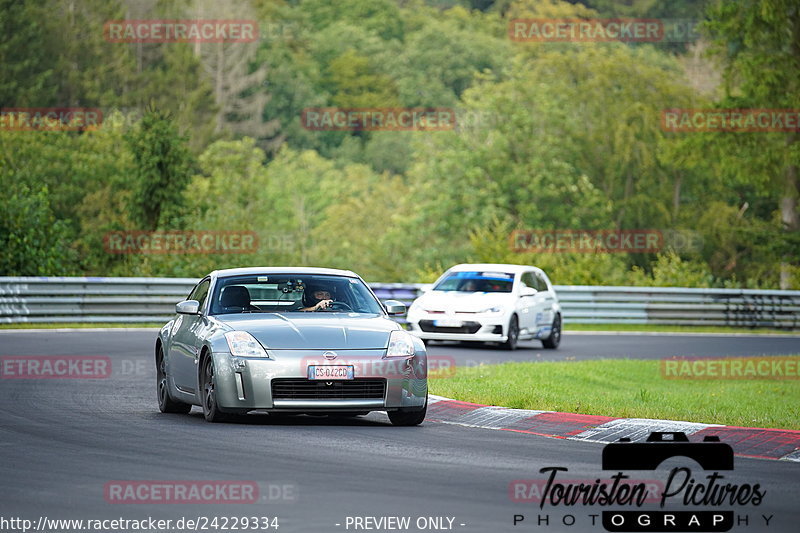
489	303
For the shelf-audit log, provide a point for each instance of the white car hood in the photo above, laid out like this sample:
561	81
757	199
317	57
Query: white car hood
470	302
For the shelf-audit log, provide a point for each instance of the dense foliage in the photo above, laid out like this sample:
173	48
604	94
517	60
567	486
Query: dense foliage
209	136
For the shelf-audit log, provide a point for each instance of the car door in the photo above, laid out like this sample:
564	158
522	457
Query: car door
546	301
186	342
527	305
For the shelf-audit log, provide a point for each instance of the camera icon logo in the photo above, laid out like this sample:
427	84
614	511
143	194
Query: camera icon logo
711	454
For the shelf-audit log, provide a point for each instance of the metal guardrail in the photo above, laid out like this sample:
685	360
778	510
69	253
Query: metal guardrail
137	300
745	308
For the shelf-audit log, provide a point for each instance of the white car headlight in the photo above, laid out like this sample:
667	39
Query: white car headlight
401	344
242	344
492	310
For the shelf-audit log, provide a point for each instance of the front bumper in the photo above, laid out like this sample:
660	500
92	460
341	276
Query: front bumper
474	328
281	383
328	405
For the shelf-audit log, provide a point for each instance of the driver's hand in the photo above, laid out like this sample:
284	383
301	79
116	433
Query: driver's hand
323	304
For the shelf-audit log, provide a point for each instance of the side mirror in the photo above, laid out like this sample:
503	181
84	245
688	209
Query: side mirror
528	291
427	287
188	307
393	307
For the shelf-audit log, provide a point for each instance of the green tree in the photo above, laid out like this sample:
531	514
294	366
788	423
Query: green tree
28	70
443	53
162	164
379	17
32	240
759	44
646	8
355	83
566	141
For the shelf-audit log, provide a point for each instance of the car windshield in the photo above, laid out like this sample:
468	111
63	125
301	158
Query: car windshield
290	293
476	282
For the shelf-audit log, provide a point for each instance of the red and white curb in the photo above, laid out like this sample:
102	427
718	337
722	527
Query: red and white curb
761	443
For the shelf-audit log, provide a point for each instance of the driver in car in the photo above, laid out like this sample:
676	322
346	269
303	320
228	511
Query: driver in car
317	298
470	286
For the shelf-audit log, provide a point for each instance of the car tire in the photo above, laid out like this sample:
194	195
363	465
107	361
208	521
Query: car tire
208	384
552	342
412	416
513	334
165	402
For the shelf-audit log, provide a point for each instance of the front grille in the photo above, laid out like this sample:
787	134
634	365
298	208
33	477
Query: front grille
307	389
466	327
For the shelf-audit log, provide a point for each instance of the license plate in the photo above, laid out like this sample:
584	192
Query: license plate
448	323
330	372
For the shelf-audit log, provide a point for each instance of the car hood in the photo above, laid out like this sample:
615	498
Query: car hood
308	331
471	302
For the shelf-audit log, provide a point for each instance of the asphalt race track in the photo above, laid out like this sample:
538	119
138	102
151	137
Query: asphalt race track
62	441
574	346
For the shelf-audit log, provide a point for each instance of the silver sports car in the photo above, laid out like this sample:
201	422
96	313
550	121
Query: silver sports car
289	340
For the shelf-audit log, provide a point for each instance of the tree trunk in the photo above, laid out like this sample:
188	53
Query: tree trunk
626	195
789	218
676	197
219	78
304	230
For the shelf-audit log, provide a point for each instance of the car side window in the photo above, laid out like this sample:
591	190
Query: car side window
200	293
529	280
541	283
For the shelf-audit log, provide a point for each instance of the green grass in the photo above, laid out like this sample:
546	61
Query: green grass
79	325
628	389
657	328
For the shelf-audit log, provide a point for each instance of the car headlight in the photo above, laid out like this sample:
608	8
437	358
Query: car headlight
492	310
242	344
401	344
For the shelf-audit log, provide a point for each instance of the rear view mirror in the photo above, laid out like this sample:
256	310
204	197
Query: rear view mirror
528	291
393	307
188	307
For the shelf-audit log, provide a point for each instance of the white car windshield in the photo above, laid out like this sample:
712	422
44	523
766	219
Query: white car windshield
476	282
